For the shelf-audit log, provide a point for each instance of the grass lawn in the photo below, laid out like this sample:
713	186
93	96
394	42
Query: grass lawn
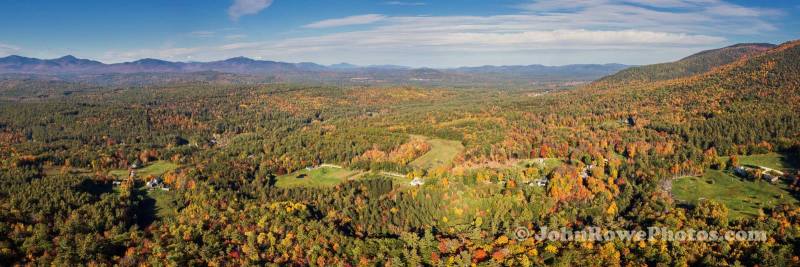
442	153
165	203
549	164
769	160
742	197
155	168
319	177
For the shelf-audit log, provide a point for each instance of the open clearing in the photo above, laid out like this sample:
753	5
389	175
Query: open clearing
442	153
319	177
166	207
769	160
742	197
155	168
547	164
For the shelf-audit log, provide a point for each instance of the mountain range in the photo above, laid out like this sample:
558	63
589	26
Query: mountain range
70	65
242	69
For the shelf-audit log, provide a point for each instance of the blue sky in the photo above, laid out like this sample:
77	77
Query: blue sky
436	33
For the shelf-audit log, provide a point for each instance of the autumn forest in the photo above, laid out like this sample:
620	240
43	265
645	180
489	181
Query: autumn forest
227	170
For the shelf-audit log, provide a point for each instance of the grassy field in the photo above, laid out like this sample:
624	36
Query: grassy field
742	197
165	203
770	160
549	164
442	153
319	177
155	168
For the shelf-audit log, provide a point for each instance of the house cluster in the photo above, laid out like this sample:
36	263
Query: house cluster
131	175
156	183
771	175
584	173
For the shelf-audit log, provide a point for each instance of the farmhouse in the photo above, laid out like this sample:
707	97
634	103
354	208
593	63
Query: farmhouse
157	183
417	182
539	182
154	183
768	174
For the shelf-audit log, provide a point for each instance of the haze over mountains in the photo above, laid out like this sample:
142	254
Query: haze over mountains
247	70
70	65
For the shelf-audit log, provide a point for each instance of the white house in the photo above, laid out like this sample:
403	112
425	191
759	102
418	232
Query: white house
417	181
156	182
540	182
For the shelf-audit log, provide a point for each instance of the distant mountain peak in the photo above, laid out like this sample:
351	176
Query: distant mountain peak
17	57
343	65
150	60
240	59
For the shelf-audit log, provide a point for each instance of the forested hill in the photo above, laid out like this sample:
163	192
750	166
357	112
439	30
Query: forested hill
745	102
695	64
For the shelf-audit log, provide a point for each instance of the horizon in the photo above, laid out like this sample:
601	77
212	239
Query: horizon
333	65
405	33
308	62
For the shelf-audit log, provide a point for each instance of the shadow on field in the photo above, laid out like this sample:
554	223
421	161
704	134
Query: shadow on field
146	211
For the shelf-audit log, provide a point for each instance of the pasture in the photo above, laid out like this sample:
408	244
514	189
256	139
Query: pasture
318	177
770	160
742	197
442	153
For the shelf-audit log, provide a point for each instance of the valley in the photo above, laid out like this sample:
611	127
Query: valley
340	174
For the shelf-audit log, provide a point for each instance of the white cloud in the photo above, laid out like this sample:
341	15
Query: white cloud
202	34
346	21
547	32
705	16
403	3
247	7
7	49
580	38
235	36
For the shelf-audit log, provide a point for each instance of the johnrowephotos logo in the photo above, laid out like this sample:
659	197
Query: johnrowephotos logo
597	234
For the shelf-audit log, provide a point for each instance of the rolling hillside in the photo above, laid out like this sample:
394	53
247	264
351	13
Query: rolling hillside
688	66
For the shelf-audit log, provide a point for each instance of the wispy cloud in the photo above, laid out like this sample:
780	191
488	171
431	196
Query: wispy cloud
677	15
547	32
247	7
404	3
235	36
346	21
202	34
7	49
